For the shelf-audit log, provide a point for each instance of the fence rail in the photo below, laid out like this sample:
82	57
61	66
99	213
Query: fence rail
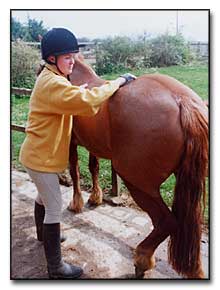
21	91
200	48
18	128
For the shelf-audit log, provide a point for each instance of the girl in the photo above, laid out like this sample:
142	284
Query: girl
44	153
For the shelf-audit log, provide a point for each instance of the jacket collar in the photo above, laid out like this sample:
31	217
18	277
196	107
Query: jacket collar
54	69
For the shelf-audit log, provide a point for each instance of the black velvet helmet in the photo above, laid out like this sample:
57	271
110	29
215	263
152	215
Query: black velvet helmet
58	41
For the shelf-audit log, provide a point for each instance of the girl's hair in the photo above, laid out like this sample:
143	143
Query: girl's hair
41	67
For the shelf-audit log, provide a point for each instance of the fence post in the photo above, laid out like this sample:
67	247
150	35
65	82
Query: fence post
116	183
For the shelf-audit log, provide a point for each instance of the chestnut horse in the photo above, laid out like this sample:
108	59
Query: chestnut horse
150	128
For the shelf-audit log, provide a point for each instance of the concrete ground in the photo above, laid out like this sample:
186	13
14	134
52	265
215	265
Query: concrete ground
101	240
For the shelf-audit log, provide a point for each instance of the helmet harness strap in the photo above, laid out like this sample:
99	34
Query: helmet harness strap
55	63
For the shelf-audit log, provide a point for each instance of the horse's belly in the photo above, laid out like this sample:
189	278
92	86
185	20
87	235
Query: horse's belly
93	133
96	146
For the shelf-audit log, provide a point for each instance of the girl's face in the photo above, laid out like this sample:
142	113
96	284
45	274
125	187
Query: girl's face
65	62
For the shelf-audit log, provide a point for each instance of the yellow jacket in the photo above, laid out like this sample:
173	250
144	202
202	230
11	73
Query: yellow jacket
53	102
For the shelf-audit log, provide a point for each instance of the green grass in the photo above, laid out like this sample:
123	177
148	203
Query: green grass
19	113
195	77
166	190
104	170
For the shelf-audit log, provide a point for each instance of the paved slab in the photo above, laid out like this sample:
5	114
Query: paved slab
101	240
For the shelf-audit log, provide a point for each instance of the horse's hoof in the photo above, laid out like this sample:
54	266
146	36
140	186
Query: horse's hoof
90	205
74	209
94	203
139	273
95	198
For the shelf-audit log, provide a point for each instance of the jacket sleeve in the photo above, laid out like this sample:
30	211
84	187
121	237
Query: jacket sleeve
64	98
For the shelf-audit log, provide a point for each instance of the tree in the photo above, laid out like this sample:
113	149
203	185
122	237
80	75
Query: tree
17	29
27	32
35	29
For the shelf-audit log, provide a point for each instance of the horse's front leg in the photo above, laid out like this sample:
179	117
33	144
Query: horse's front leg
97	195
77	202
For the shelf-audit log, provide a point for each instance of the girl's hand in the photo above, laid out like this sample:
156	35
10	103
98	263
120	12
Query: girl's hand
84	86
126	78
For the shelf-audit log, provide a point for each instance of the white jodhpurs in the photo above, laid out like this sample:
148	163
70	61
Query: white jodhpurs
49	194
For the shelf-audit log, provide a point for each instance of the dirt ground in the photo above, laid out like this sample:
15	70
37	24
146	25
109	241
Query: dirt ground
101	240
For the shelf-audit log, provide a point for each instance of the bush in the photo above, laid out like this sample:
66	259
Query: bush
169	50
111	54
119	53
24	63
115	54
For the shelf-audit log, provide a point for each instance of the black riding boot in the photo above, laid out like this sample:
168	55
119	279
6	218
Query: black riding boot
57	269
39	213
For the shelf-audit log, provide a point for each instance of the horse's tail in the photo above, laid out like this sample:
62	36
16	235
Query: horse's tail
184	245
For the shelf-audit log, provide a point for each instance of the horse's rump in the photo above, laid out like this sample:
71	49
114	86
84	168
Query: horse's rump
145	130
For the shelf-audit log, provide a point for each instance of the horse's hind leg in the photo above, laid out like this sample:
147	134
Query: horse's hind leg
164	224
97	195
77	202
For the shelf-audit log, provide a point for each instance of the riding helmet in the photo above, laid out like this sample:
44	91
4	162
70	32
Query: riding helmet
58	41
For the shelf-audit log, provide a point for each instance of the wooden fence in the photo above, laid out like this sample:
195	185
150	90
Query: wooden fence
201	48
116	181
21	91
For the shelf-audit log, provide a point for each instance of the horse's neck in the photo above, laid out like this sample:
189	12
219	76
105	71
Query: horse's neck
83	73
